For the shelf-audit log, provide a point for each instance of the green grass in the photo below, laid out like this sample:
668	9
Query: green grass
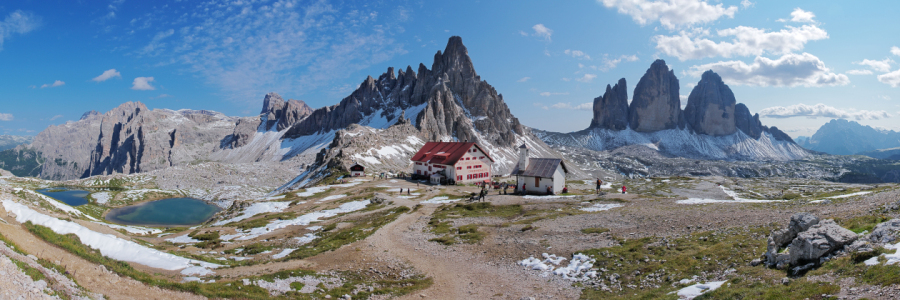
862	223
594	230
232	289
335	238
469	233
263	221
35	274
850	266
649	266
92	209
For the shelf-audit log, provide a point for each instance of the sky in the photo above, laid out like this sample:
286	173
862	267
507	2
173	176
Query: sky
798	64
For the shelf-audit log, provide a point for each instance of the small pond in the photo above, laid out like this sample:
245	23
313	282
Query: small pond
66	195
166	212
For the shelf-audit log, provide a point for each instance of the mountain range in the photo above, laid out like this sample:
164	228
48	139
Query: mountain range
711	126
843	137
11	141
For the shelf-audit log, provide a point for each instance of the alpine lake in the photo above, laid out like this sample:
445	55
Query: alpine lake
165	212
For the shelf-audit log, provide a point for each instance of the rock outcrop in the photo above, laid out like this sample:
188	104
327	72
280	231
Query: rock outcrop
656	105
809	242
885	233
710	107
611	109
747	123
278	114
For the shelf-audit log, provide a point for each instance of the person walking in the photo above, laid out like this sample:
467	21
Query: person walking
623	189
599	183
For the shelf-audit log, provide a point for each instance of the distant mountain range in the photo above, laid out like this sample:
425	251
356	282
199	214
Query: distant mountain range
381	125
11	141
711	126
843	137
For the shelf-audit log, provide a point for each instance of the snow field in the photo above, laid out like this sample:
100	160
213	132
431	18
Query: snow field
101	197
182	239
440	200
333	197
305	239
578	269
695	290
312	191
891	258
600	207
300	221
255	209
848	195
730	193
108	245
132	229
284	253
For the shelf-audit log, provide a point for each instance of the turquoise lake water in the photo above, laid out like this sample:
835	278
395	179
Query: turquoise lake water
68	196
166	212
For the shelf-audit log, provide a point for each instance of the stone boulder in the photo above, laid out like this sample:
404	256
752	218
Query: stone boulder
746	122
611	109
885	232
656	105
781	238
710	107
818	241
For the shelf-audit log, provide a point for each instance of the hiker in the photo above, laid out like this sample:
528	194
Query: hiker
623	189
549	190
523	189
408	191
565	189
599	183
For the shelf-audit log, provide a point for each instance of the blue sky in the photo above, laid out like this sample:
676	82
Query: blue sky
797	63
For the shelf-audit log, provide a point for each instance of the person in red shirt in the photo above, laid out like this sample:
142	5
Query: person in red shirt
623	189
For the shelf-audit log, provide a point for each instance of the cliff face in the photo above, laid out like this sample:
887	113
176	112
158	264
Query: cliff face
710	108
611	109
656	105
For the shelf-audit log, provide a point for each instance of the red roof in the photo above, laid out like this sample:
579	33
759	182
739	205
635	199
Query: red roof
445	153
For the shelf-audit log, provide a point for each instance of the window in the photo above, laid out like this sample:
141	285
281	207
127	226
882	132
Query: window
418	172
459	177
459	168
481	157
468	167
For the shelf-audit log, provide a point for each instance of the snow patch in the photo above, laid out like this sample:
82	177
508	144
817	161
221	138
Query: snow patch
255	209
848	195
732	194
600	207
580	268
101	197
440	200
284	253
695	290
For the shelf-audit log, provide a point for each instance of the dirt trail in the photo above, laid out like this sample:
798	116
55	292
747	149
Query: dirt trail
89	275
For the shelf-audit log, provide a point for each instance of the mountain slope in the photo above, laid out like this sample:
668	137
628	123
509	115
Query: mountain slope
842	137
11	141
712	125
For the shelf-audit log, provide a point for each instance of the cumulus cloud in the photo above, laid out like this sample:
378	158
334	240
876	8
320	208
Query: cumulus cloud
142	84
609	64
671	14
568	105
523	79
542	31
54	84
747	3
881	66
107	75
892	78
18	22
6	117
746	41
56	117
548	94
586	78
800	16
789	70
895	50
860	72
821	110
577	54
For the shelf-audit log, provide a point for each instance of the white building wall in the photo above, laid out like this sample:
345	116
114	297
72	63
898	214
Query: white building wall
558	182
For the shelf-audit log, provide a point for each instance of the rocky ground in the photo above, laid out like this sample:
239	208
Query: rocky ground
663	235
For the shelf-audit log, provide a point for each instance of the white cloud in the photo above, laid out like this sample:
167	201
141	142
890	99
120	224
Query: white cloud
609	64
860	72
789	70
747	41
548	94
577	54
56	117
142	84
107	75
895	50
250	48
746	3
671	13
892	78
568	105
881	66
821	110
54	84
6	117
18	22
541	106
542	31
523	79
800	16
586	78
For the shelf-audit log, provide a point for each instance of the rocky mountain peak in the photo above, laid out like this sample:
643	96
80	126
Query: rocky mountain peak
90	115
656	105
710	107
746	122
611	109
455	59
282	113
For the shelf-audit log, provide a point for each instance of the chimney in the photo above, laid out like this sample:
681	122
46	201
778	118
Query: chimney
523	157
